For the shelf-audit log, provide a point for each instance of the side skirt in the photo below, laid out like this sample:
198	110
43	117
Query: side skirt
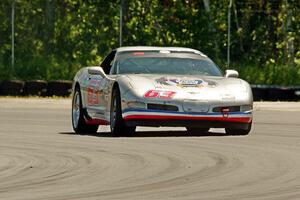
91	121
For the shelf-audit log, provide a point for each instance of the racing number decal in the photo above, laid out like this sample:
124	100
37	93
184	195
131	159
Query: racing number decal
159	94
151	94
93	96
93	93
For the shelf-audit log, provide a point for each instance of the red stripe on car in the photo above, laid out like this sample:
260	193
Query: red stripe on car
159	117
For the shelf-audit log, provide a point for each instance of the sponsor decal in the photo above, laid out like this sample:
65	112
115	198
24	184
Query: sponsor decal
185	82
93	93
160	94
227	97
138	53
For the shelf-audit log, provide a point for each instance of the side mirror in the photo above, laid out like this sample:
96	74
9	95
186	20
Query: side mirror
95	70
231	73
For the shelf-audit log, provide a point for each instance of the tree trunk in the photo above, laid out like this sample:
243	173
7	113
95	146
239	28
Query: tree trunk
212	29
49	24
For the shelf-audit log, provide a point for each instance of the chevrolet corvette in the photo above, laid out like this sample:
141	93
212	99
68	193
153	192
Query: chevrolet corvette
160	86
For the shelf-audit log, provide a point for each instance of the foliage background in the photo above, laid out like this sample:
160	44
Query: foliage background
54	38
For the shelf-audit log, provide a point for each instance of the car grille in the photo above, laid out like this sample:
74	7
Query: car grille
153	106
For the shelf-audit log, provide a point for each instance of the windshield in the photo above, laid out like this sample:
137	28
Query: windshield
158	63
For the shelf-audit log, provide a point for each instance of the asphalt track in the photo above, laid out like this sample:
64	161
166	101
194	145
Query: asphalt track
40	158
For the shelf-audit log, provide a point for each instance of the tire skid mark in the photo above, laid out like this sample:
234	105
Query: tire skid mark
41	164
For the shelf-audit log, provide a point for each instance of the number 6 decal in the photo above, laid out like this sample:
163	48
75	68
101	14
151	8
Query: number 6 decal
152	94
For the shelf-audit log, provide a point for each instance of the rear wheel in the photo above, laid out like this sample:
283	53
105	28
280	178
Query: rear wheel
117	124
194	130
78	121
230	131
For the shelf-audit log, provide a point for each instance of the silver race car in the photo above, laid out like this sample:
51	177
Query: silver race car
160	86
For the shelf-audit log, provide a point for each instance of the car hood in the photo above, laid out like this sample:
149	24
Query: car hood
190	86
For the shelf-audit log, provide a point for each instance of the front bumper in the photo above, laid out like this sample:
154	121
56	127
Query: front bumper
146	117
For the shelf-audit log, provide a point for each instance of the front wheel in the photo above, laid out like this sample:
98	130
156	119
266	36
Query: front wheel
78	121
117	124
230	131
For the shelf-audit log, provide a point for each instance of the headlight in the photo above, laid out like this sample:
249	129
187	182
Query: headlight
246	108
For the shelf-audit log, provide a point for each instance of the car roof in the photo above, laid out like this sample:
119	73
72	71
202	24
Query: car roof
153	48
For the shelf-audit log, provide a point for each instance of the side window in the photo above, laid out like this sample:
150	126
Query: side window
107	62
113	70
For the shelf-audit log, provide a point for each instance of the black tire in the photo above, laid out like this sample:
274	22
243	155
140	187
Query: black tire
79	125
195	130
230	131
11	88
34	88
62	88
117	124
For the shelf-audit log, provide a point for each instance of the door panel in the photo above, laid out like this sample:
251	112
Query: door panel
94	93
